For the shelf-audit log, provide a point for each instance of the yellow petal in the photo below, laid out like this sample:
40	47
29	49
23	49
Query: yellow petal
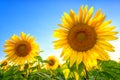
66	26
85	60
103	42
8	45
23	35
79	59
66	73
107	33
80	14
89	60
16	60
64	50
85	13
27	36
68	19
73	57
12	57
94	55
102	54
10	52
97	13
108	28
97	21
104	47
66	23
31	39
92	62
9	49
106	37
15	38
89	15
60	43
100	20
67	53
60	33
76	76
73	16
10	42
104	24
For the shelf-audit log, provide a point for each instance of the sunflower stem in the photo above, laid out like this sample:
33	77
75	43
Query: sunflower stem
26	74
86	73
74	75
38	68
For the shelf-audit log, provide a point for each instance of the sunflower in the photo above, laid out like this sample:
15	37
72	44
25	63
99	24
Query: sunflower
84	38
20	50
59	65
52	62
4	63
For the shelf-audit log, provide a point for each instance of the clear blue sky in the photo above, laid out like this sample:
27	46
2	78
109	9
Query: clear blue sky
40	18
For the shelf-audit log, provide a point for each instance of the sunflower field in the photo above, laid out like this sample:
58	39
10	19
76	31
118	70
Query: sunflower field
84	40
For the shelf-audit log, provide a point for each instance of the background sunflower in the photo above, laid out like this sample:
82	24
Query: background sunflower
20	50
52	62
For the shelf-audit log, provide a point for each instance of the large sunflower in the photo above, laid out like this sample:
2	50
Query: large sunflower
21	49
52	62
85	38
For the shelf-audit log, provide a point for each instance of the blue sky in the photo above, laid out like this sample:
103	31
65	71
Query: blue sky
40	18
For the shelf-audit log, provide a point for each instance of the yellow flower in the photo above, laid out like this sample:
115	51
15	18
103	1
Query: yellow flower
21	49
52	62
66	73
4	63
59	65
85	38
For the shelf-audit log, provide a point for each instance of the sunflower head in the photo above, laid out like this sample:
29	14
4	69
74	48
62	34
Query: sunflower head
20	50
52	62
59	65
84	38
4	63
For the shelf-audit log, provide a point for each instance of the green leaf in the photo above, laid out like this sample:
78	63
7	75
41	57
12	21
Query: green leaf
108	70
45	61
9	72
39	58
80	68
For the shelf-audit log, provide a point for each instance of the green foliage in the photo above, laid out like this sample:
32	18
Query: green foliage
12	73
34	72
39	58
107	70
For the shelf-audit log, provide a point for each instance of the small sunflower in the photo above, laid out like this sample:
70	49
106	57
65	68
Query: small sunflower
59	65
84	38
21	49
4	63
52	62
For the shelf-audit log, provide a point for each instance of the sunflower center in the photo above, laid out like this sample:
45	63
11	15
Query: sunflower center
81	37
52	62
4	63
23	49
